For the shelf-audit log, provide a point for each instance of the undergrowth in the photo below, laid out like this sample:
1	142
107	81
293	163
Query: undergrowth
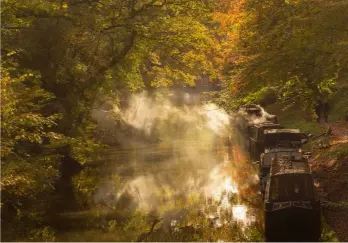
327	235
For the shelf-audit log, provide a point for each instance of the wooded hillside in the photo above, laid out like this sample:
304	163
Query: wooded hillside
63	58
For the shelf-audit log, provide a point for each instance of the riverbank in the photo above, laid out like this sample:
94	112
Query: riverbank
329	163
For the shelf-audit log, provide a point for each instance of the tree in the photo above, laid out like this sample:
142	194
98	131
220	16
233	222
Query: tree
29	162
295	46
60	58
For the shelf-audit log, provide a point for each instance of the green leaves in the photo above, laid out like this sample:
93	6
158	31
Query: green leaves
294	45
29	165
85	184
21	120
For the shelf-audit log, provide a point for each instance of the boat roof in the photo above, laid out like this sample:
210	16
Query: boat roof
251	106
288	165
271	131
281	149
266	124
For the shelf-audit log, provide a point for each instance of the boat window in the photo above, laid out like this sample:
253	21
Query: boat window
253	132
273	139
275	189
291	188
268	157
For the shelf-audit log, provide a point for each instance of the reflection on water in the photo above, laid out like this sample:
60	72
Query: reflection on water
178	175
239	213
219	185
177	168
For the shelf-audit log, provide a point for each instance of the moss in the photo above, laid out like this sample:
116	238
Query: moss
327	235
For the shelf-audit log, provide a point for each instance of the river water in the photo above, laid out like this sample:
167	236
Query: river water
207	190
193	182
205	195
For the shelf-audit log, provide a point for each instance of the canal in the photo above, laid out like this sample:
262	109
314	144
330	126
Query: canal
188	180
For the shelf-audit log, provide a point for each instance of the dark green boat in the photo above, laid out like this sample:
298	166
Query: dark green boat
292	209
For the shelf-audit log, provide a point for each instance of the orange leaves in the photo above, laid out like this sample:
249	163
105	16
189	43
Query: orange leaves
232	15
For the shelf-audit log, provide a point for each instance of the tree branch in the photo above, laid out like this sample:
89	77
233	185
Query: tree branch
116	59
144	236
14	27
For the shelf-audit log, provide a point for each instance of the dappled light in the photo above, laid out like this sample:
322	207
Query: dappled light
171	120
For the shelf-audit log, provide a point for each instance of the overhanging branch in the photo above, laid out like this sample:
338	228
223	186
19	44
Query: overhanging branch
116	59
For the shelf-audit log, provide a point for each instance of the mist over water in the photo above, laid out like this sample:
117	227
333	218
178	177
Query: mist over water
191	160
252	119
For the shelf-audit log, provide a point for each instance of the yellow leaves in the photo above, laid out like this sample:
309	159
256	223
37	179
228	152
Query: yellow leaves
162	82
55	136
81	67
11	53
59	6
13	180
45	234
28	176
155	58
21	98
293	1
342	43
232	16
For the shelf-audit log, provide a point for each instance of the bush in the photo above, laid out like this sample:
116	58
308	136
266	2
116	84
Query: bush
85	184
264	96
43	234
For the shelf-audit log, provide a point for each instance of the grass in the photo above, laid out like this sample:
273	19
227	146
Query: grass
293	118
307	127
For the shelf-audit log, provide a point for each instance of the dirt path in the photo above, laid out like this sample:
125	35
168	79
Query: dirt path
339	131
330	167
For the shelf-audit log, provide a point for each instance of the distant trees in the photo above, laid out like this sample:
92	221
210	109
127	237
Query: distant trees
298	47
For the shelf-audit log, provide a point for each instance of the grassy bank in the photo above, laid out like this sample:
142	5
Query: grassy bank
329	163
294	117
